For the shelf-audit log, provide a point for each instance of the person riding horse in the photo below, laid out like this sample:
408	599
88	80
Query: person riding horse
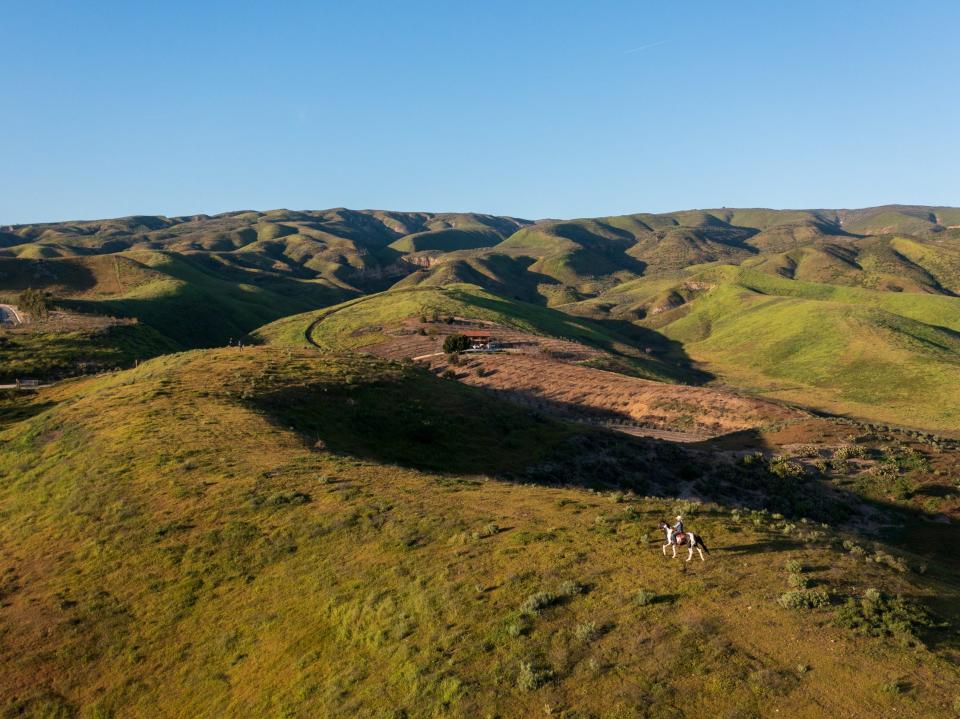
678	536
678	530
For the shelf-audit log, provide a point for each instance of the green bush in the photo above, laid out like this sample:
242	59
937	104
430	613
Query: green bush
847	451
793	566
35	302
487	531
644	597
586	631
785	469
570	588
536	603
454	344
804	599
878	614
532	677
798	581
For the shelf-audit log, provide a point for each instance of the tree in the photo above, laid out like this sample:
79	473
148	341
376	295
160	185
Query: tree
454	344
35	302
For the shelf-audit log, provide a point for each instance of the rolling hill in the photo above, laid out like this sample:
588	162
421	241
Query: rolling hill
287	532
340	519
889	356
639	277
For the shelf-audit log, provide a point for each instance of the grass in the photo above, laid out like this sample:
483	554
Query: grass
282	531
185	538
879	355
48	355
365	321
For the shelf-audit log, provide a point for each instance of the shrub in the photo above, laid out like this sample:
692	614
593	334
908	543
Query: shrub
793	566
785	469
448	374
487	531
518	628
455	343
644	597
570	588
754	458
531	676
804	599
35	302
535	603
586	631
798	581
878	614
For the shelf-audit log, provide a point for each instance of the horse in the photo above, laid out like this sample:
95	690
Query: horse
694	541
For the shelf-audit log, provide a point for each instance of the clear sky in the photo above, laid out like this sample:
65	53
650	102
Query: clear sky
534	109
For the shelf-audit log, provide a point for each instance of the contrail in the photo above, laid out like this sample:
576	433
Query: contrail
644	47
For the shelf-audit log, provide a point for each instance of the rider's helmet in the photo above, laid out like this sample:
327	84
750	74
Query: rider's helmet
679	517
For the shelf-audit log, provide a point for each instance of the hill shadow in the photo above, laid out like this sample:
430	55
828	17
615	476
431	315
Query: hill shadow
667	357
18	410
20	274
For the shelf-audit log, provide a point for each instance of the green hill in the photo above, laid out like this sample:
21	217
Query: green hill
232	273
889	356
279	532
364	321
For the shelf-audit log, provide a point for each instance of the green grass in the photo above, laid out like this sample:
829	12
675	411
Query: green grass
882	355
47	355
222	533
362	322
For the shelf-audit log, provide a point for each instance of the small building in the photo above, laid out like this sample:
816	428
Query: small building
480	340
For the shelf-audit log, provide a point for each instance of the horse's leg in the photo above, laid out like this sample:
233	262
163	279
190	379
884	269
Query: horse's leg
674	551
665	549
700	551
690	556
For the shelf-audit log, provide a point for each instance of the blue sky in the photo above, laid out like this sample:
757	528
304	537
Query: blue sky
535	109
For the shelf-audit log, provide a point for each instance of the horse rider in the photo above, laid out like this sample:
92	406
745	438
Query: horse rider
678	528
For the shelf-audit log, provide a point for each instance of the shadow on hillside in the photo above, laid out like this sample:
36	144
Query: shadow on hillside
21	274
443	426
15	409
666	353
769	545
513	277
663	354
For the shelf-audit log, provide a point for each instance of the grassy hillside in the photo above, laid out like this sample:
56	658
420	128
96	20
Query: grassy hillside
366	321
351	250
50	352
888	356
273	532
570	260
199	281
179	300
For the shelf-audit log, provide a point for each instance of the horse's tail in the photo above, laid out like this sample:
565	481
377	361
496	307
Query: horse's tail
702	544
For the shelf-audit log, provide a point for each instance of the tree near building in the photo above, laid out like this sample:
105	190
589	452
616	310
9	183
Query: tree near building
454	344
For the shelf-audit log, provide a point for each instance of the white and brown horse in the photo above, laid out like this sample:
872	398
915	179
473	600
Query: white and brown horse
686	539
